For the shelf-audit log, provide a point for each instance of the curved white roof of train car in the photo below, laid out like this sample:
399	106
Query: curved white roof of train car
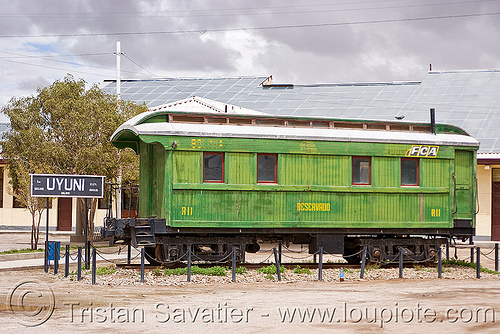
291	133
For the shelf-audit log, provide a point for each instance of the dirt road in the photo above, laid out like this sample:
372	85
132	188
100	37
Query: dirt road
394	306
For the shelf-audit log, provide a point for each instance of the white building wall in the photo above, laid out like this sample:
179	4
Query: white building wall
483	218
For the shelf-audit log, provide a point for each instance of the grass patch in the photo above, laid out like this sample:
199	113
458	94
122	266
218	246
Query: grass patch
372	266
105	271
22	251
420	268
463	263
83	271
271	269
62	251
241	270
158	271
300	270
195	270
100	271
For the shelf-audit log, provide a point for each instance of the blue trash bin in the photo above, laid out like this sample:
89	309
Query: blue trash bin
53	245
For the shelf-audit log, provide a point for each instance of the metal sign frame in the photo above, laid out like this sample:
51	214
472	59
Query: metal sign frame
63	185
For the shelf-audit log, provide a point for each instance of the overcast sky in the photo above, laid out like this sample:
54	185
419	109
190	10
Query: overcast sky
300	42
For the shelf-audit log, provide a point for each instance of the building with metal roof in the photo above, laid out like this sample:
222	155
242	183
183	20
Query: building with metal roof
469	99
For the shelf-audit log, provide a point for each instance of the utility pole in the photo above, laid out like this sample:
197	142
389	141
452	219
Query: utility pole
118	98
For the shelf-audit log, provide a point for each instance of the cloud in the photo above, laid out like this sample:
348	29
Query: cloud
338	52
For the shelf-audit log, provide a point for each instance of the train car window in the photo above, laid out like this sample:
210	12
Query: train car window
267	168
213	167
409	172
361	170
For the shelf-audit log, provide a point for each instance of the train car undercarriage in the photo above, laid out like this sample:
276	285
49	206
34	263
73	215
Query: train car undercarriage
164	245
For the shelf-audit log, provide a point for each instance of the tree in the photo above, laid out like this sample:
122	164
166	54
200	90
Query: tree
65	129
35	205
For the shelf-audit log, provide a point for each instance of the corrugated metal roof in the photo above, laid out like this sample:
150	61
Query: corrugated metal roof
468	99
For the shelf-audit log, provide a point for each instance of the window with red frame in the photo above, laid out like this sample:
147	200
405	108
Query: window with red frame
409	172
361	170
213	167
267	168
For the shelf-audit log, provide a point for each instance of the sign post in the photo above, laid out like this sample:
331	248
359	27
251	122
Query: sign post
59	185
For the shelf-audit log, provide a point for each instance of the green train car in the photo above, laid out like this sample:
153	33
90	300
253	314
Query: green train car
211	182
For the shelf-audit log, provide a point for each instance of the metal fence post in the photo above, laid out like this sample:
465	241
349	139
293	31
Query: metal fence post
142	265
66	262
56	258
400	262
79	264
279	250
46	258
496	256
277	264
478	262
471	242
320	264
189	264
363	262
129	252
87	256
447	249
440	265
94	266
234	264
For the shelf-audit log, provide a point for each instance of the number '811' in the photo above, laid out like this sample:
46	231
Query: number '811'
187	210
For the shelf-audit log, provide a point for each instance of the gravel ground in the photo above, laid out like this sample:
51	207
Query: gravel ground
381	302
132	277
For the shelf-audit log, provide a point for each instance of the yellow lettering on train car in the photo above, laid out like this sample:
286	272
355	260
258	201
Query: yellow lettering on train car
187	211
208	143
435	212
313	206
422	151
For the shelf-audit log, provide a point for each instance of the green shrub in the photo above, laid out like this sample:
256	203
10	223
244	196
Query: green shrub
271	269
464	263
372	266
300	270
105	271
195	270
241	270
158	271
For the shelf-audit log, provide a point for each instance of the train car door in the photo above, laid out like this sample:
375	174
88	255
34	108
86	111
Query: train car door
464	178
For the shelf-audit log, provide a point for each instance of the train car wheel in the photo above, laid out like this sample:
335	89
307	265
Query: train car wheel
151	255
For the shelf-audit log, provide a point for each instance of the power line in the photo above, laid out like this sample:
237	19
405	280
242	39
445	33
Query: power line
137	64
202	31
55	68
19	55
7	59
231	11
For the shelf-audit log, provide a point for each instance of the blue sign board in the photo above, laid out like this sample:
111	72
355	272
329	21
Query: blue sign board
54	185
